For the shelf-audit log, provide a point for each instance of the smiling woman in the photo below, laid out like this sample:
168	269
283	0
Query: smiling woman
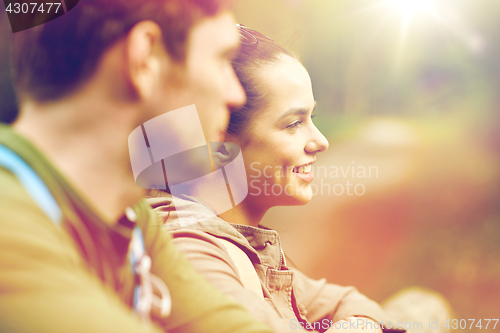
279	143
281	134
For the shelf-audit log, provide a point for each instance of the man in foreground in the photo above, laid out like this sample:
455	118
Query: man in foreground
76	237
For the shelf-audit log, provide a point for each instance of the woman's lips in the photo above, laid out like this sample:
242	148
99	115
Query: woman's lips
304	172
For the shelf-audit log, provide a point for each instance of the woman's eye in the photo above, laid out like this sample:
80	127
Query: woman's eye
294	124
312	116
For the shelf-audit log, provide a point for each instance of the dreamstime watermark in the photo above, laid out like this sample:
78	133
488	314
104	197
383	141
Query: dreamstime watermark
263	180
214	172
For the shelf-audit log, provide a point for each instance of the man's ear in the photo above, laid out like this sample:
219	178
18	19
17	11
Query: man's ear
145	53
223	153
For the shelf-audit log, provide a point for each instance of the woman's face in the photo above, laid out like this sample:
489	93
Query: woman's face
280	142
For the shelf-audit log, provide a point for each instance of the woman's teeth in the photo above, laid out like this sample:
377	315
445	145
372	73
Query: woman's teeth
303	169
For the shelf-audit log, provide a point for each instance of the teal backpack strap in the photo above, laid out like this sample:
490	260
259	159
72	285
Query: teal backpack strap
39	191
32	183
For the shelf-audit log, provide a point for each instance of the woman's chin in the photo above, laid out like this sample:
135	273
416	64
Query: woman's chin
305	198
301	197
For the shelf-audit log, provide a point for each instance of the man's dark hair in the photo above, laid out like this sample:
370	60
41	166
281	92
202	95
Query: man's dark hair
52	59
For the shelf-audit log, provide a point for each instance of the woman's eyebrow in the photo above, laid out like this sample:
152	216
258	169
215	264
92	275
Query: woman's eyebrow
297	111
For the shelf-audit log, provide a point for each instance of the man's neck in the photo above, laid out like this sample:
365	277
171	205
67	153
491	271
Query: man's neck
87	142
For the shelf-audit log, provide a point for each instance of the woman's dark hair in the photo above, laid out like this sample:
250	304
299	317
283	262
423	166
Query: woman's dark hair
256	52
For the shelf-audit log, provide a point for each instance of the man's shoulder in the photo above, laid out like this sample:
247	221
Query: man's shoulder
26	230
13	196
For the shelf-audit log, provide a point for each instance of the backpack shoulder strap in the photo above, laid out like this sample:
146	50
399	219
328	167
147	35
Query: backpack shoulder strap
248	275
32	182
41	194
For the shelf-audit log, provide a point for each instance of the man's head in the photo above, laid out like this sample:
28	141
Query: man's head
157	54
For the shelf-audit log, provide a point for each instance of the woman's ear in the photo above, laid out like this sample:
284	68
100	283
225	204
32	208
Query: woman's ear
144	58
223	153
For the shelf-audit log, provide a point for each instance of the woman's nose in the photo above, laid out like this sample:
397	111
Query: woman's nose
317	143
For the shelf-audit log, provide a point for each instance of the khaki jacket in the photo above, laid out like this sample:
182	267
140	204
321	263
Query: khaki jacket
290	296
76	278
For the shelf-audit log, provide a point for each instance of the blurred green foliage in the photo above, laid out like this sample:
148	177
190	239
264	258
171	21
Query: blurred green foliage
364	60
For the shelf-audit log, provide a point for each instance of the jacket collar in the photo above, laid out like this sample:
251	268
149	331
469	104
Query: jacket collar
190	212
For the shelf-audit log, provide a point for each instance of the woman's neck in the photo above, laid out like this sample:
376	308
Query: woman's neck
246	213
